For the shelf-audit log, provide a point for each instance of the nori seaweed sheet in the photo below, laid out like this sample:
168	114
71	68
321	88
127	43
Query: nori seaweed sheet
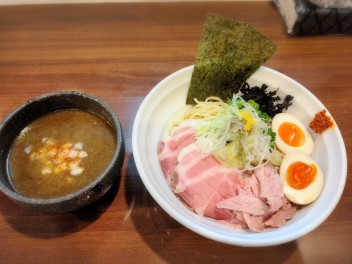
229	53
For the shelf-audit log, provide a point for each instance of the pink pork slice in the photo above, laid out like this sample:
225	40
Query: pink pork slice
169	149
270	186
286	212
203	182
261	201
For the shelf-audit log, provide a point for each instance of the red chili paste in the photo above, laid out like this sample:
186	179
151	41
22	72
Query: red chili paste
321	122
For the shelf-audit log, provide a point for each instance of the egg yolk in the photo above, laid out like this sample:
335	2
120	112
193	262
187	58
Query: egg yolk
291	134
299	175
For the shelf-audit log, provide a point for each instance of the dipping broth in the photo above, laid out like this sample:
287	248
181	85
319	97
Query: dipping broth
60	153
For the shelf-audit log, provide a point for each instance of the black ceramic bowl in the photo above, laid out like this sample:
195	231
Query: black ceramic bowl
15	122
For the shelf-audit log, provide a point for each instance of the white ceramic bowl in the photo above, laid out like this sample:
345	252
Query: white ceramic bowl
163	102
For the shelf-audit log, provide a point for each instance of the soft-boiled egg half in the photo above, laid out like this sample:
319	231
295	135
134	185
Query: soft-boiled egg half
291	134
302	178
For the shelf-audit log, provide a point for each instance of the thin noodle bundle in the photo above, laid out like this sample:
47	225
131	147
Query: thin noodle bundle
210	107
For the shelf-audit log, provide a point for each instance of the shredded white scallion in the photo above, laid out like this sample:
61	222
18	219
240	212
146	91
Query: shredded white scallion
236	136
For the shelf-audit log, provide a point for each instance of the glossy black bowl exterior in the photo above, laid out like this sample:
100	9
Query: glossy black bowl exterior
16	121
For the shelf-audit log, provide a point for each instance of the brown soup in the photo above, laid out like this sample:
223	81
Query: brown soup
60	153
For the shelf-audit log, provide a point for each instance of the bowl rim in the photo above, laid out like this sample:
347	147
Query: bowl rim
208	233
119	145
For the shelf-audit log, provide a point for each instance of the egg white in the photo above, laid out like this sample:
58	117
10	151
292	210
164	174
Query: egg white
308	144
312	191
